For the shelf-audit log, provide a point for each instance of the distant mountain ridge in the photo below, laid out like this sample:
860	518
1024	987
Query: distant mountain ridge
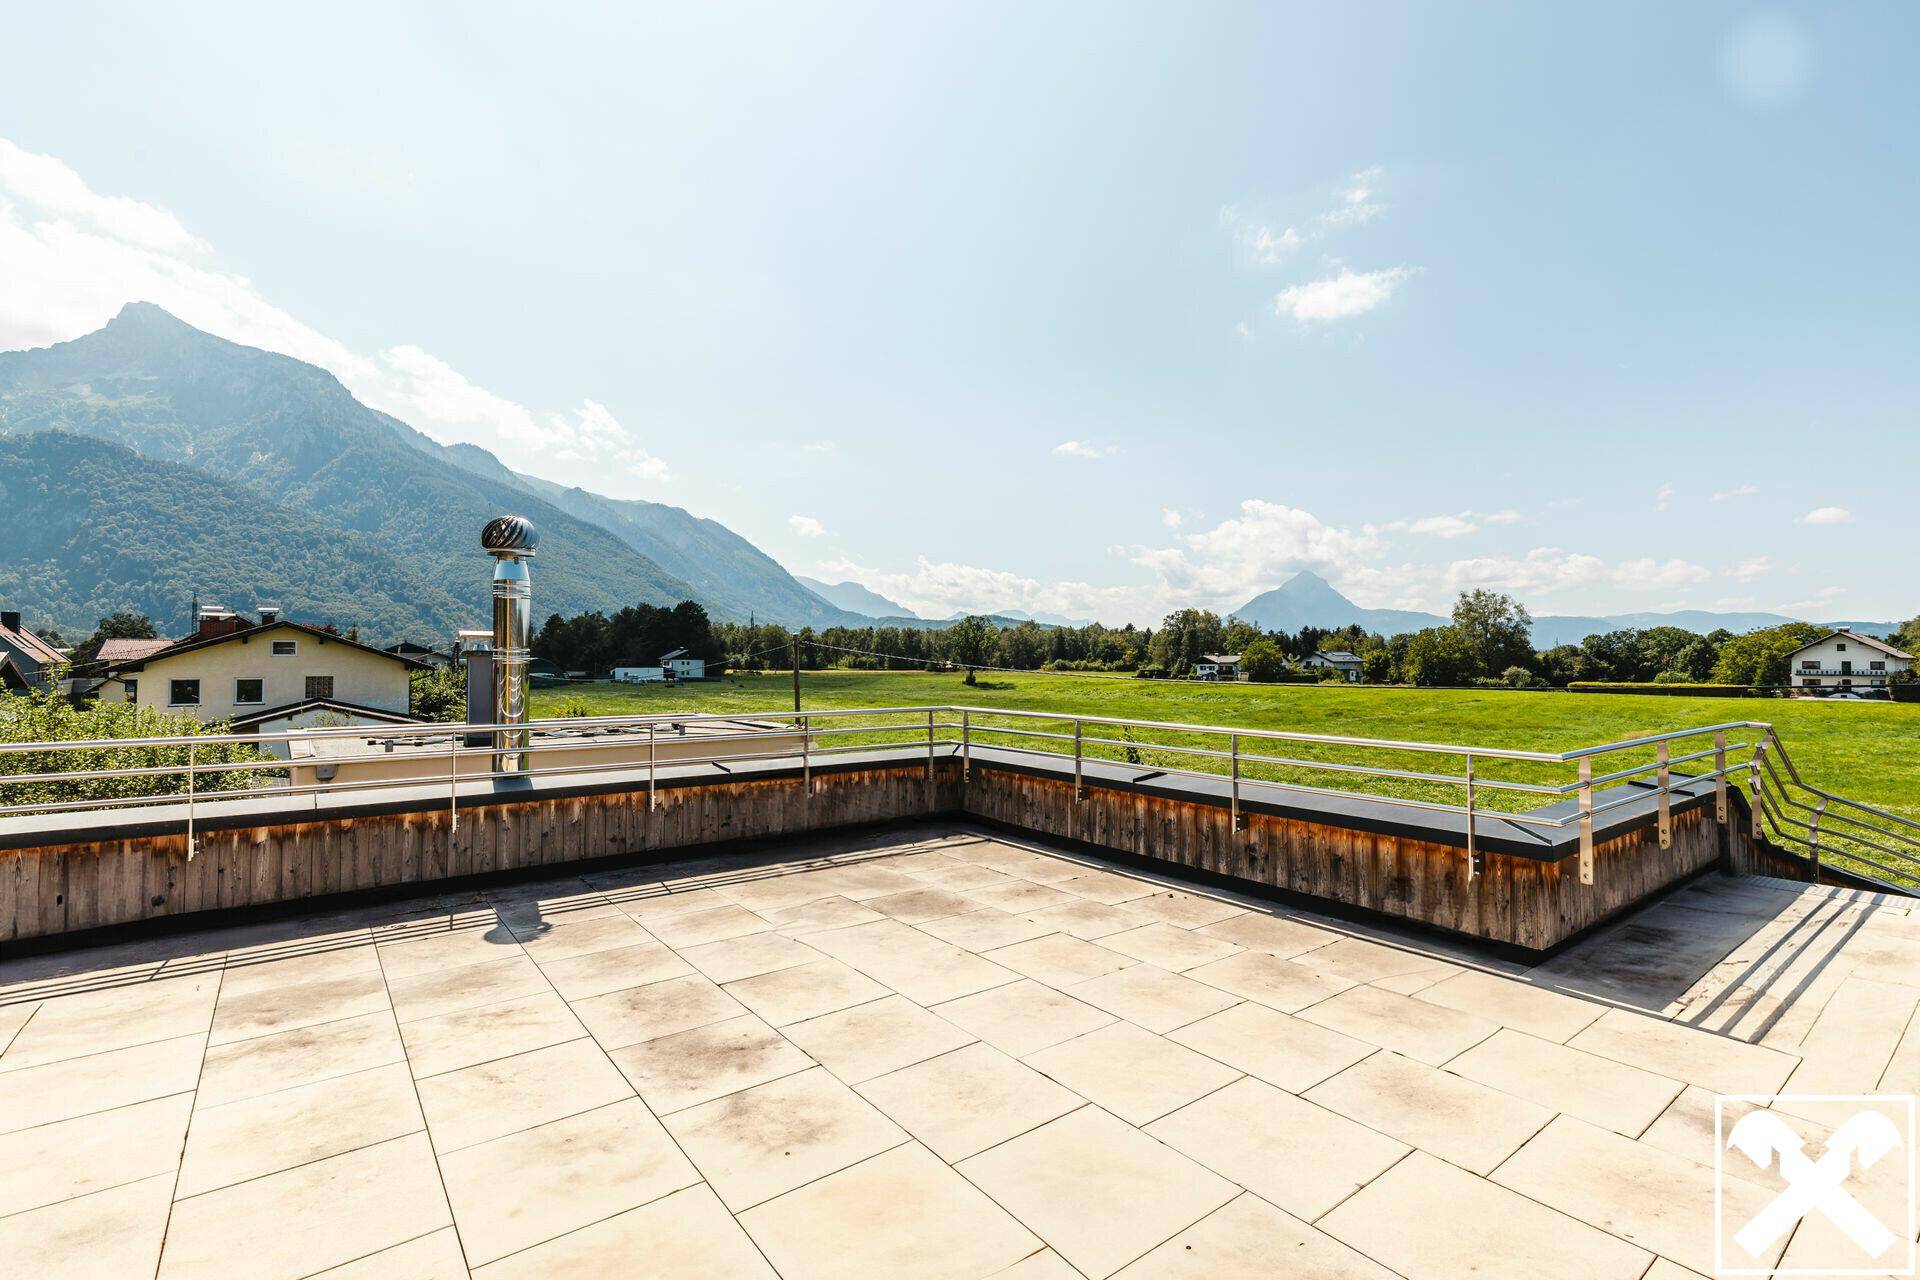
855	598
1308	600
293	435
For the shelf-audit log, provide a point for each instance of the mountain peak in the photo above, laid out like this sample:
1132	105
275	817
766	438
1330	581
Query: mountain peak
1307	578
149	316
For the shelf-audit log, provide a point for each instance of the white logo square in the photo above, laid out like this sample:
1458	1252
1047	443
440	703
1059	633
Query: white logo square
1826	1178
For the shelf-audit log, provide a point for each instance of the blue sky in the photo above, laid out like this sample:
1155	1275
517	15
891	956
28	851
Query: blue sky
1088	309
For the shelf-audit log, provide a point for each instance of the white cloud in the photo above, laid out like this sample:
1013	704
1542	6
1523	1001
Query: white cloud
1757	567
1082	449
1453	526
1548	570
1663	497
1738	491
1827	515
1171	518
820	446
1341	297
1357	201
806	526
1269	249
70	258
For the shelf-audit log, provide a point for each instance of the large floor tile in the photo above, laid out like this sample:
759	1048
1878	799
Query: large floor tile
1023	1017
1468	1124
595	973
1151	997
1135	1074
1512	1002
472	1036
917	965
963	1102
1427	1220
1188	910
1249	1239
748	956
308	1218
447	949
805	991
1282	1050
688	1235
874	1038
98	1082
696	927
1088	921
91	1153
1291	1153
1273	934
902	1214
682	1070
1364	960
916	906
477	1104
114	1018
1106	887
833	912
608	929
265	1064
760	1142
621	1018
1169	946
1718	1064
1428	1032
1098	1190
241	1140
986	928
434	1256
470	986
266	1010
110	1233
1598	1090
532	1186
1060	961
1631	1190
1273	981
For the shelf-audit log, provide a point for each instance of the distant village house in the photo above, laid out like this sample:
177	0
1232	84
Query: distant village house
26	661
673	666
1218	666
265	677
1844	661
1348	664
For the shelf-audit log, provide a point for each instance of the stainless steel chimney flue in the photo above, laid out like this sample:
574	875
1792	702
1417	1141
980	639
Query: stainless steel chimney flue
510	540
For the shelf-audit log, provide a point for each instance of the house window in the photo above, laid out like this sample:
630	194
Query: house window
1840	648
183	693
249	692
133	691
283	648
319	687
1876	666
1808	664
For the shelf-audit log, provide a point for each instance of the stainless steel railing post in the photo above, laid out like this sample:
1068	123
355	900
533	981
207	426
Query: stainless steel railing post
1665	775
192	846
453	782
1233	753
1586	819
1473	847
806	754
929	748
966	746
653	763
1079	775
1720	776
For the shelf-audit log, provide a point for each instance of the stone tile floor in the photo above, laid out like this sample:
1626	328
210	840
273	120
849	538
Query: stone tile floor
928	1051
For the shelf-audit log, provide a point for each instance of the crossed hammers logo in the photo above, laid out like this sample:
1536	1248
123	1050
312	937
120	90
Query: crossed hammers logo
1814	1184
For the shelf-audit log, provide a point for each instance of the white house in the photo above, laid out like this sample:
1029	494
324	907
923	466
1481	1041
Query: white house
1846	661
1348	664
681	667
639	675
1218	666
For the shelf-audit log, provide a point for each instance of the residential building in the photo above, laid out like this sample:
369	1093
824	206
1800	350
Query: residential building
1844	661
267	676
1348	664
639	675
1217	666
421	653
681	667
31	659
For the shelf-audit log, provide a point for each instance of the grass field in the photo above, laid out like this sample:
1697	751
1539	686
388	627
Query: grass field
1863	750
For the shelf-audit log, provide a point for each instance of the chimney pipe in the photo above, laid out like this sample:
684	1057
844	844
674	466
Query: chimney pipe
510	540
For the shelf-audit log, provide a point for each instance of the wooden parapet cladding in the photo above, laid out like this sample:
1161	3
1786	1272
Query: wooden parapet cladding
89	871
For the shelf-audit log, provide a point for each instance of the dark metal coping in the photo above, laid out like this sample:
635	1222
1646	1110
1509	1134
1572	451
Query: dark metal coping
1493	832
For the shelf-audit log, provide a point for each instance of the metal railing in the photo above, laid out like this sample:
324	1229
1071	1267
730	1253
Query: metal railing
1548	791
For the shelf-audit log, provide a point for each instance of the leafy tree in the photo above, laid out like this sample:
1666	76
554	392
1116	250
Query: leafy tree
1440	656
439	693
1763	657
122	625
1376	665
1496	629
1561	665
46	716
969	642
1185	637
1908	636
1262	660
1518	677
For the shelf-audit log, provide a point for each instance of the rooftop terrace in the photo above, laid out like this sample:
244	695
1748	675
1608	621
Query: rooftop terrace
925	1051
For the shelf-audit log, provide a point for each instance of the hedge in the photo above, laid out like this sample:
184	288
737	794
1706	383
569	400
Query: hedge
1669	690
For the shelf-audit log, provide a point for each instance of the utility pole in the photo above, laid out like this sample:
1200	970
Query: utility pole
796	670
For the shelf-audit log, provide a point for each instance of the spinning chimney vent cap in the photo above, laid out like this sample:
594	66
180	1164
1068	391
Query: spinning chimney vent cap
509	536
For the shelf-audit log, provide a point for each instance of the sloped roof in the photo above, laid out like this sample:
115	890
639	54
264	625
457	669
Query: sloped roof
112	651
31	645
191	643
1221	659
1872	642
1339	655
253	719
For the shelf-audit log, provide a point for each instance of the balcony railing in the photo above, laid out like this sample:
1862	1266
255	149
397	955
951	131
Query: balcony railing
1529	787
